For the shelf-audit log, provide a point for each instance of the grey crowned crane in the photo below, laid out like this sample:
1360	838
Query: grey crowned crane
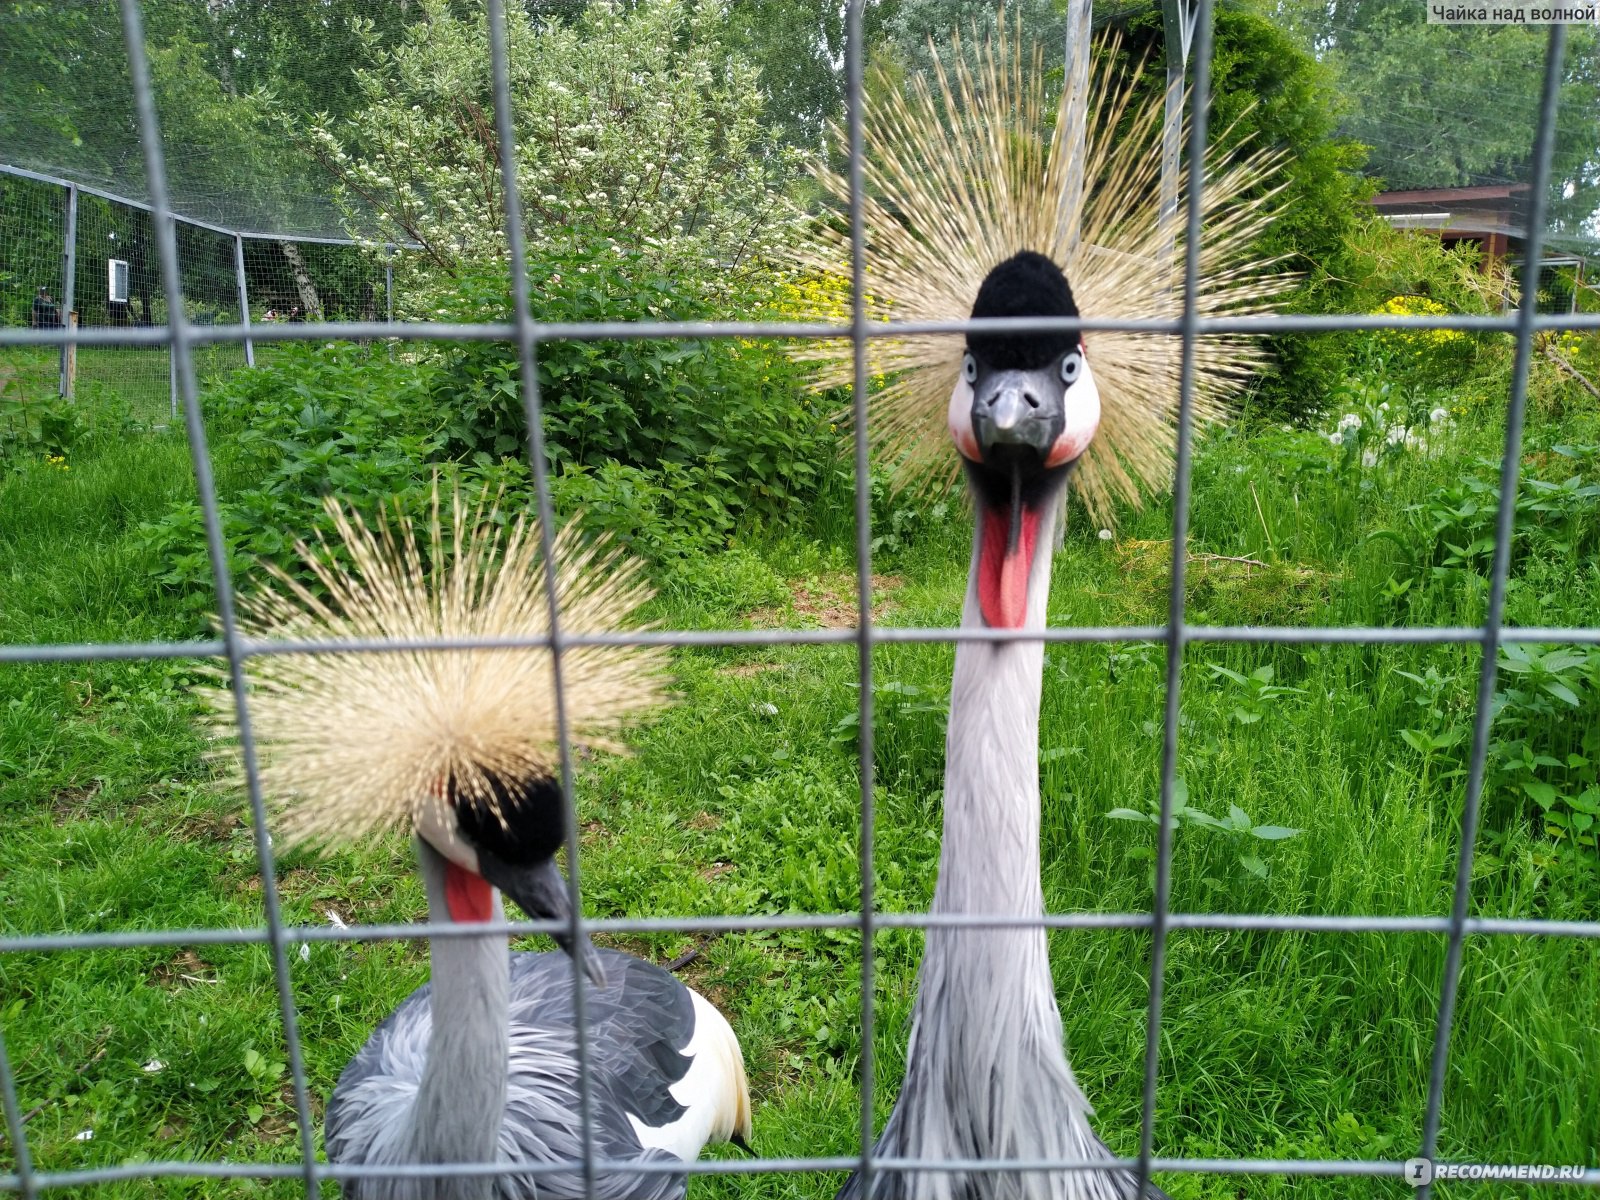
969	210
481	1064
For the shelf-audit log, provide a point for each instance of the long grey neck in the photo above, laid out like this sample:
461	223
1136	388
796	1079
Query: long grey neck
990	857
987	1075
461	1101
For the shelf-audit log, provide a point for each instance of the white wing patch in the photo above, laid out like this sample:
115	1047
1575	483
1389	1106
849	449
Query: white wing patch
713	1091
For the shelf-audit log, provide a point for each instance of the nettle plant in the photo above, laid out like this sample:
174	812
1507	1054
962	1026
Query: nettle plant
1449	536
1546	744
1543	762
1252	694
633	119
1245	838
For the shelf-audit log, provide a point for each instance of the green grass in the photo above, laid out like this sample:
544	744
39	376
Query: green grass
135	381
743	800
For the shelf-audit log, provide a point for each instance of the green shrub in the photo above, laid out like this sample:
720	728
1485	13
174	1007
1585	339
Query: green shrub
335	420
1412	272
36	429
669	446
689	433
37	425
1446	541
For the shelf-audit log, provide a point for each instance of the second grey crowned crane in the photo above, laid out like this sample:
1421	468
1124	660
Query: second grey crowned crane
983	196
481	1065
987	1077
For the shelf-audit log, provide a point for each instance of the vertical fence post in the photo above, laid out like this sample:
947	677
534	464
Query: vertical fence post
180	350
244	300
69	276
388	289
1199	22
1177	23
1079	30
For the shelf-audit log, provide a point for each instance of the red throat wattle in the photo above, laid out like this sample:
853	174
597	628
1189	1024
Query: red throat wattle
1003	569
468	895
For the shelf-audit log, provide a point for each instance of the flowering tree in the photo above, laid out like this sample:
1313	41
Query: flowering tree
633	122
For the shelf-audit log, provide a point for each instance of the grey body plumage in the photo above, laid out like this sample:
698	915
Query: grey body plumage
987	1077
640	1022
481	1066
496	1080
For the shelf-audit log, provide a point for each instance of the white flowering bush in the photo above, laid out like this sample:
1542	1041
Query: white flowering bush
632	121
1378	424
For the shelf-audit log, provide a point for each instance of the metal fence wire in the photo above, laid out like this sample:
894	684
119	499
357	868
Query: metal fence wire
185	338
90	256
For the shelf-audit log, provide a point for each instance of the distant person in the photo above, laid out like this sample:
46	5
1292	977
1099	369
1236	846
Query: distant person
44	314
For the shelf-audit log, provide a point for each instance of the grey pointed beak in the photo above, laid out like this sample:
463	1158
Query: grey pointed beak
541	892
1022	409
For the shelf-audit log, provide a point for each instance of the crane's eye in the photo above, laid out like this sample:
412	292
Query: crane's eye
969	368
1072	367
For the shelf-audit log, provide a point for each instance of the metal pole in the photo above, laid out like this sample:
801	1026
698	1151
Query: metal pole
1177	626
1177	22
855	95
244	300
1074	123
1076	116
69	277
181	353
388	288
1494	609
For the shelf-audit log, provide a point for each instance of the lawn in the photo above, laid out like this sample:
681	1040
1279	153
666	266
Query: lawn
112	382
743	800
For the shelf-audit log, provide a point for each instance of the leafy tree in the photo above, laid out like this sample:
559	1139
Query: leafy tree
1456	105
799	48
1268	92
217	71
920	30
633	121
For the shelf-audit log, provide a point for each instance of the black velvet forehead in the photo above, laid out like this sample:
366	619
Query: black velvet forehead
1025	285
529	826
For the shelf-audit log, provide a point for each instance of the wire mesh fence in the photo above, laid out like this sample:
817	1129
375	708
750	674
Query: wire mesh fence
52	228
171	312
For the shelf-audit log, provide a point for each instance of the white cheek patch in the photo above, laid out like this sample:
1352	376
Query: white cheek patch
960	420
437	827
1081	407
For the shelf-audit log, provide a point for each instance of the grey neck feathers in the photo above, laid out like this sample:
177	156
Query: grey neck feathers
986	1075
990	857
461	1101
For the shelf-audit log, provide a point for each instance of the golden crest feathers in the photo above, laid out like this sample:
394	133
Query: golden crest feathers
353	743
965	172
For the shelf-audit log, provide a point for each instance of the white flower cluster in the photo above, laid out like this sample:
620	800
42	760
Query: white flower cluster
633	120
1379	434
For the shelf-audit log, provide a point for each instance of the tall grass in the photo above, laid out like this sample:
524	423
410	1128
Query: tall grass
743	800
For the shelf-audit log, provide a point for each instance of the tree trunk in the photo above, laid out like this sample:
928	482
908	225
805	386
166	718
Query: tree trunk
310	304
